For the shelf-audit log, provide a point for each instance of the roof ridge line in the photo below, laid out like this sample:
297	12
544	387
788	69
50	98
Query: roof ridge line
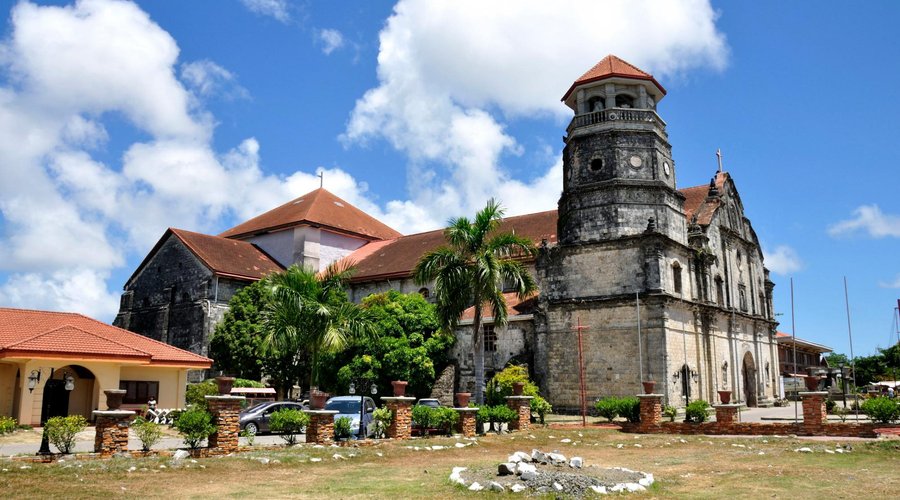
82	330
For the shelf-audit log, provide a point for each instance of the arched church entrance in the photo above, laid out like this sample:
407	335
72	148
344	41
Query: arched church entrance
749	373
69	391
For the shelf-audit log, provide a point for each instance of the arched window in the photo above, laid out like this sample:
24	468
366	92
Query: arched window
720	291
595	103
676	277
624	101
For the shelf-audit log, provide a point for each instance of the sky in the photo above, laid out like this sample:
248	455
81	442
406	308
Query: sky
120	119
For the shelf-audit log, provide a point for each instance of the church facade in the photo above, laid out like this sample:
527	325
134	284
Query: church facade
639	280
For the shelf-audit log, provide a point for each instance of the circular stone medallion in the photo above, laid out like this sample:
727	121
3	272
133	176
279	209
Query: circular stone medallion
636	161
666	168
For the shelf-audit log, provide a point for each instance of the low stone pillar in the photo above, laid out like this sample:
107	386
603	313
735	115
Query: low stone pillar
651	409
321	426
112	431
814	414
226	413
401	423
467	421
727	414
522	406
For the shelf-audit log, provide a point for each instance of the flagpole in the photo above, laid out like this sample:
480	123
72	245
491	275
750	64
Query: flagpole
637	306
794	341
850	335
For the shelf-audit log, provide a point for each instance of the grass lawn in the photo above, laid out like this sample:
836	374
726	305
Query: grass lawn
699	467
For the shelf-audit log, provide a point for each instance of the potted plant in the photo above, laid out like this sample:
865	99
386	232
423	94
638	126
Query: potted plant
725	397
648	386
518	387
462	399
399	387
224	385
317	399
342	428
114	398
812	383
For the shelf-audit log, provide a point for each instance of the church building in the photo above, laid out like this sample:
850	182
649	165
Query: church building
638	280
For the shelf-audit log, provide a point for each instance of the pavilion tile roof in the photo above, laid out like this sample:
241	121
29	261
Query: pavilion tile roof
698	202
317	208
47	334
613	66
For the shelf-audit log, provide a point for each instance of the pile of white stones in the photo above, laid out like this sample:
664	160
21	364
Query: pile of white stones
554	473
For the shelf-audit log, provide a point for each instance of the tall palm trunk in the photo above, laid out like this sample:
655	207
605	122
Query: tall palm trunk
478	355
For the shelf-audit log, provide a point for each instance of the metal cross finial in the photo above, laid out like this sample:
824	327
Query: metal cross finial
719	157
321	179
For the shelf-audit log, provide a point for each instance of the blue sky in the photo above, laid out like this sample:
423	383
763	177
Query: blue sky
118	120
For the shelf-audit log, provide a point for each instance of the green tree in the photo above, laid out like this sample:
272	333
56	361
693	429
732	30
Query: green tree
309	312
472	271
410	346
238	343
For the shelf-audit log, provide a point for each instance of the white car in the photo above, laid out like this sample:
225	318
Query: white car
349	406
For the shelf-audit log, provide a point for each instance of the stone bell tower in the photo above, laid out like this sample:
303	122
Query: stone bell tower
621	227
618	172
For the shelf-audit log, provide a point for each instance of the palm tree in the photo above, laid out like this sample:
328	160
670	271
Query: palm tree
472	271
309	312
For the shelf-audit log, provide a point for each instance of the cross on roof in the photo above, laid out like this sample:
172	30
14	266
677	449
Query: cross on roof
719	158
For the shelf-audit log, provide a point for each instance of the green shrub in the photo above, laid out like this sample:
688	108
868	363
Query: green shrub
61	431
503	414
342	427
696	411
444	419
501	385
195	395
881	409
421	415
249	436
540	407
381	420
149	433
830	404
608	408
7	425
195	425
289	422
670	412
630	408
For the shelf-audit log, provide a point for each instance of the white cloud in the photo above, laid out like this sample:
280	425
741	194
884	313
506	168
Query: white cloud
784	260
82	290
207	78
331	40
868	219
451	72
891	284
277	9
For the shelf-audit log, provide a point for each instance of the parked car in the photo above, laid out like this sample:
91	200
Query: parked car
255	419
348	406
434	403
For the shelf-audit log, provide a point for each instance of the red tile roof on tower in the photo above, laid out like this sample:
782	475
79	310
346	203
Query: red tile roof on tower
26	333
397	257
612	66
317	208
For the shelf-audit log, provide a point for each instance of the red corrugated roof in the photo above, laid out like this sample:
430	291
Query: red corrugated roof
318	208
612	66
514	307
226	256
398	257
30	333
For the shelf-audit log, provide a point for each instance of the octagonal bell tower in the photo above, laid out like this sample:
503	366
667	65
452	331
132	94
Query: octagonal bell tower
618	173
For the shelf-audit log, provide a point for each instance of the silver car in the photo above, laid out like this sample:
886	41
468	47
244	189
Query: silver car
349	406
256	418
